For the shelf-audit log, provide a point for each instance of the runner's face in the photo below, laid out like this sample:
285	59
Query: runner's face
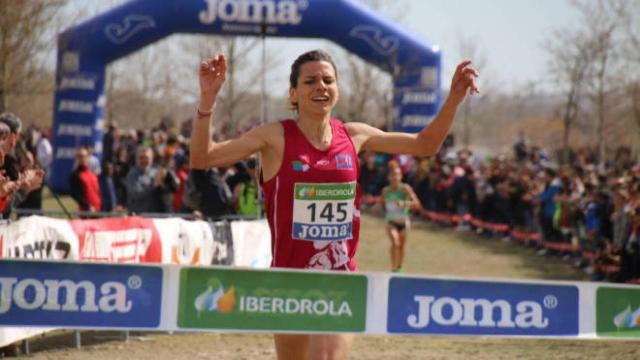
395	177
317	88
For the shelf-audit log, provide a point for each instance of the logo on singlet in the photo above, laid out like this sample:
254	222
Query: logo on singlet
298	165
343	161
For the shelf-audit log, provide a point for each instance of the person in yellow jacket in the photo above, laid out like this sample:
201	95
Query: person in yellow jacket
245	194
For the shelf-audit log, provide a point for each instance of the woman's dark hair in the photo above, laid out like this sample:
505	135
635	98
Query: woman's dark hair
309	56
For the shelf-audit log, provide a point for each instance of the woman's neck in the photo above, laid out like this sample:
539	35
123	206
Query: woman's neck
316	129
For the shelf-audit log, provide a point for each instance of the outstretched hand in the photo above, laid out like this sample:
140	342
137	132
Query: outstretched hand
463	81
212	74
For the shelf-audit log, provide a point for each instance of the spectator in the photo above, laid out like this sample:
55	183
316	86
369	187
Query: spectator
120	170
207	194
84	186
18	185
44	152
520	148
107	187
33	199
372	173
236	174
245	193
551	186
182	173
148	187
109	142
94	162
166	184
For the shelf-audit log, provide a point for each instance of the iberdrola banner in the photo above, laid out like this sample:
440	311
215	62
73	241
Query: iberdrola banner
204	298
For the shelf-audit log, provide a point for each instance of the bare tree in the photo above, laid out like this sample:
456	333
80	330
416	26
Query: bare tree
368	93
470	48
570	60
145	87
628	14
602	26
236	106
22	25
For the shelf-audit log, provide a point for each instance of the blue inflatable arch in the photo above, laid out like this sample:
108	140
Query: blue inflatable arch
84	52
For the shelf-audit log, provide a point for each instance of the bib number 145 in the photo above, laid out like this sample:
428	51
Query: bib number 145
323	211
328	213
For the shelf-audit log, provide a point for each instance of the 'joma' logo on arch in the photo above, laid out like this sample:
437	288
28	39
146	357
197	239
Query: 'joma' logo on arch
252	11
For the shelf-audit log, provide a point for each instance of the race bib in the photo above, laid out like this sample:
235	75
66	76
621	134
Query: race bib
323	211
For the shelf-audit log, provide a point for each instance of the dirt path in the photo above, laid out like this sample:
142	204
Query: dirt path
431	250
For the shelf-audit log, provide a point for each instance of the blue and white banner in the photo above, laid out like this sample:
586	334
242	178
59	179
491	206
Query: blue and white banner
80	295
106	296
431	306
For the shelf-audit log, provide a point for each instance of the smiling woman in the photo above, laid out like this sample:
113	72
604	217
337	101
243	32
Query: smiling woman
310	171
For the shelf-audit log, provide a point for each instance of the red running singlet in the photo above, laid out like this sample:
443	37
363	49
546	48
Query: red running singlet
313	202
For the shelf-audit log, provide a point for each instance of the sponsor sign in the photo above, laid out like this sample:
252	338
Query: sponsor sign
419	97
283	12
75	106
481	308
125	240
271	300
74	130
120	32
374	36
78	82
38	237
83	295
618	312
66	152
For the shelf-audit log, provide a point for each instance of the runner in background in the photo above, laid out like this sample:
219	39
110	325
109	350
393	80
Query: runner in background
309	171
397	199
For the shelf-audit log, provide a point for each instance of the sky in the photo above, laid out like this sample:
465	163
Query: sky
508	33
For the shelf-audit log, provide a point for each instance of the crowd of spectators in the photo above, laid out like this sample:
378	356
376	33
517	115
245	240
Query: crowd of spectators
147	172
21	178
587	212
140	172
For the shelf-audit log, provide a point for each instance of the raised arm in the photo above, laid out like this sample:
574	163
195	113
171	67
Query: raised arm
204	152
428	141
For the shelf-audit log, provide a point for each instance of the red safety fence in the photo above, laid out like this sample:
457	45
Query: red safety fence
524	237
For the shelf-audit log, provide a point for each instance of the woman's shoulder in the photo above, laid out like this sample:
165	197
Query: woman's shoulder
273	128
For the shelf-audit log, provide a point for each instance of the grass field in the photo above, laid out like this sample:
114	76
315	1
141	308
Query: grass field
431	250
50	203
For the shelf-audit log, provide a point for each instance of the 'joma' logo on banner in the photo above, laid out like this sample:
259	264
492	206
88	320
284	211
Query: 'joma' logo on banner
462	312
33	294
